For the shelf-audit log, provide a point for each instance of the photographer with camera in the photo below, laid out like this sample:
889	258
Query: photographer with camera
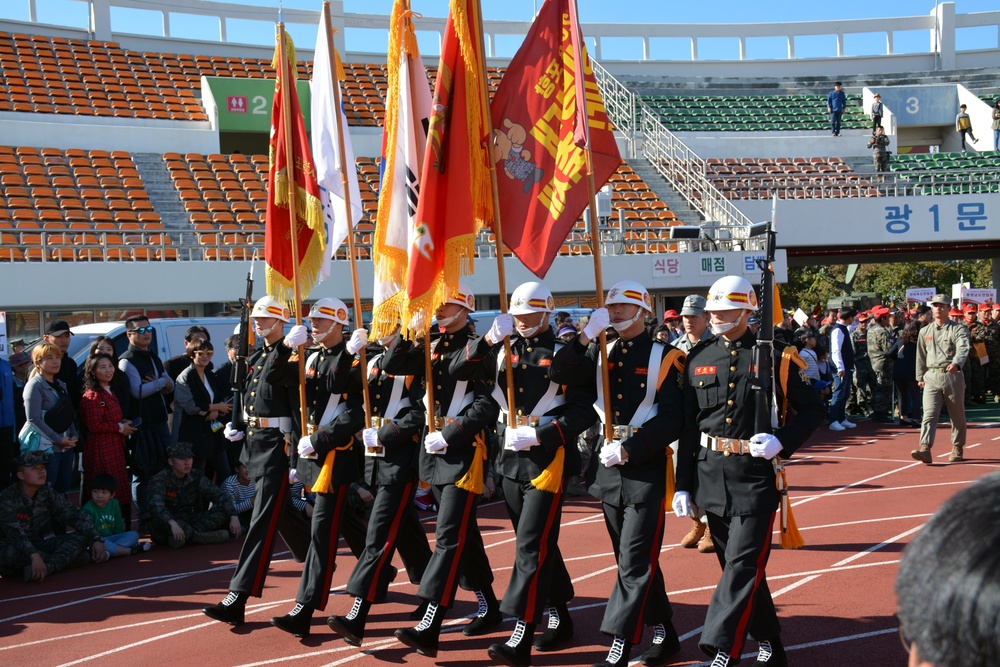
879	143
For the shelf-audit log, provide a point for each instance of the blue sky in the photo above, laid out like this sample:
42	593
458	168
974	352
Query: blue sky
74	12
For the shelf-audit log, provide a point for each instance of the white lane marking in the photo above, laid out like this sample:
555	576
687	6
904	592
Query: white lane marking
823	642
892	488
853	484
885	543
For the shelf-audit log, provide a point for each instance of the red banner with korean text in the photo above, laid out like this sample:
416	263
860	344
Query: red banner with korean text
455	196
538	138
310	226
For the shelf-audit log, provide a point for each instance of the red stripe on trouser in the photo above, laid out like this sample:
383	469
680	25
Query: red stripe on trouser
331	554
543	552
390	542
450	583
741	628
272	528
654	565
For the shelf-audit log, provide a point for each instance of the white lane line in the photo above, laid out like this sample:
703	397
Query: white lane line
995	439
890	488
822	642
839	449
891	540
119	649
791	587
853	484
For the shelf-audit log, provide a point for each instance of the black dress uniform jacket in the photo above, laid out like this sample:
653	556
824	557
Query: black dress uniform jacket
271	391
472	420
401	437
643	477
333	372
532	360
720	400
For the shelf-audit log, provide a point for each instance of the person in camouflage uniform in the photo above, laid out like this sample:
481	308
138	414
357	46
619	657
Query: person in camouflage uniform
178	496
860	402
975	370
27	512
987	315
882	354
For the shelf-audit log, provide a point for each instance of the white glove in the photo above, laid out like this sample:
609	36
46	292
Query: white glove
612	454
520	438
502	327
764	446
435	442
293	476
599	321
232	435
297	335
305	447
370	438
359	338
682	504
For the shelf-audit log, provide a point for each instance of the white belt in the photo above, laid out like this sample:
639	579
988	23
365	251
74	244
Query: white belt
725	445
528	420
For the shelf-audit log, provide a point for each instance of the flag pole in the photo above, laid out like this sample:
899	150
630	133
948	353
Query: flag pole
497	226
351	251
284	70
595	244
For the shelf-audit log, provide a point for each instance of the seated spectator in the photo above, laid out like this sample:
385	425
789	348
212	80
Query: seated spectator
178	496
106	514
28	510
44	397
199	404
242	492
107	429
948	579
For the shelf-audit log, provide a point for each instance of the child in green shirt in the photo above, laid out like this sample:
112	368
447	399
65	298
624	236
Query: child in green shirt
107	516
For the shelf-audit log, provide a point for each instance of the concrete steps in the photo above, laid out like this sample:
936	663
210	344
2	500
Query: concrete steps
665	191
162	194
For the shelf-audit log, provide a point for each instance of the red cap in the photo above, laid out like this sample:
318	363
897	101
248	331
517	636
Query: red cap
969	308
996	306
671	315
879	311
863	316
954	311
984	306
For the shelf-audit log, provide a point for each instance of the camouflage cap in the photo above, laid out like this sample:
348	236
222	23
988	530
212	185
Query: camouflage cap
182	450
31	459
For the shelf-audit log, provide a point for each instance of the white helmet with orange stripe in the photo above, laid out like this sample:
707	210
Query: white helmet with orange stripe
329	308
731	293
531	297
629	291
463	296
268	306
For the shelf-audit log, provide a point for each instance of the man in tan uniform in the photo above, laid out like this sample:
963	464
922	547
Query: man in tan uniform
942	348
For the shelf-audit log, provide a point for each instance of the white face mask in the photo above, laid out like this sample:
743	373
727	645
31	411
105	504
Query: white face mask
528	333
446	322
726	327
318	337
385	340
263	333
622	326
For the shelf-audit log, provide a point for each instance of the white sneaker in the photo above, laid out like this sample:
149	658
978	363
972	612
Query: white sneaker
835	426
847	424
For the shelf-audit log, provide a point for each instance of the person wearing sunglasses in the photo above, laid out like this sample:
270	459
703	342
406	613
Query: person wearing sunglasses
200	412
149	384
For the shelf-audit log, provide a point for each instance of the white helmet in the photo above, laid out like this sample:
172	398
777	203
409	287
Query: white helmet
531	297
268	306
731	293
463	296
329	308
629	291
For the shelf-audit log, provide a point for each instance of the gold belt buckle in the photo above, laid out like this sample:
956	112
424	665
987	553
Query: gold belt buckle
252	421
621	432
310	428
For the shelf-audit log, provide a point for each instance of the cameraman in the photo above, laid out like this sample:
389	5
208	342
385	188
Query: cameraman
879	144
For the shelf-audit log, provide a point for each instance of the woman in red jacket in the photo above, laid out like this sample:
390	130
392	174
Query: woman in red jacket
107	430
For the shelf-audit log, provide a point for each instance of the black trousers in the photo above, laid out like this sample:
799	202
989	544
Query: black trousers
459	557
539	577
273	512
393	522
741	602
317	573
639	596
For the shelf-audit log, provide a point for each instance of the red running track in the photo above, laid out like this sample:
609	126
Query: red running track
858	496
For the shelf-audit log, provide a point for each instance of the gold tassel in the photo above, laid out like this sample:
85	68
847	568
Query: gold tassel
472	480
324	481
671	476
550	479
791	538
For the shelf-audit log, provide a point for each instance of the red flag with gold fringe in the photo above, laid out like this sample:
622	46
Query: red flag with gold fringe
455	196
310	226
539	138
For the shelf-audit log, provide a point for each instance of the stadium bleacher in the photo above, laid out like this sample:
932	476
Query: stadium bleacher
732	113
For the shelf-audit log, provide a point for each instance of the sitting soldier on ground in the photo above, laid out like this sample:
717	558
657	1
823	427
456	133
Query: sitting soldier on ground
28	509
178	497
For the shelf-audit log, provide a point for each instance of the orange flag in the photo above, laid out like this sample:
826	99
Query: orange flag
310	226
455	196
539	137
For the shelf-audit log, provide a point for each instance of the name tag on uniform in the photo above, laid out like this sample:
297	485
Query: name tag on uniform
704	370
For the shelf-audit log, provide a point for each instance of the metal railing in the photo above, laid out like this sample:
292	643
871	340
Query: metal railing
620	103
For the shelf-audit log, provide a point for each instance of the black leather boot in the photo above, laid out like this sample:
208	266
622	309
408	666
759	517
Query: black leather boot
230	610
559	631
296	622
487	618
771	654
352	626
617	654
424	637
665	645
516	652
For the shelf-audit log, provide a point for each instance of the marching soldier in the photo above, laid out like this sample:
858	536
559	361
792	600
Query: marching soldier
726	470
975	368
987	315
326	458
453	463
537	454
271	401
391	452
631	481
882	352
860	401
